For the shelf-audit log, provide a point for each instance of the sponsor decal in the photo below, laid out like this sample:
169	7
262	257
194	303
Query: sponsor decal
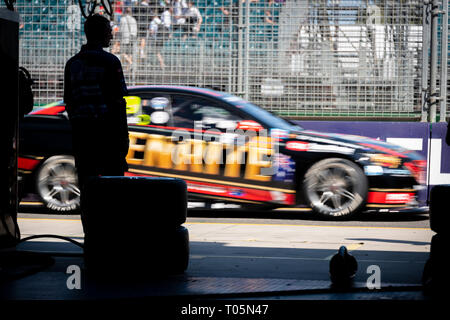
193	205
388	151
249	125
373	171
181	152
133	105
237	192
205	188
380	197
314	147
278	196
385	160
329	141
297	145
397	172
279	133
159	117
159	103
221	205
285	168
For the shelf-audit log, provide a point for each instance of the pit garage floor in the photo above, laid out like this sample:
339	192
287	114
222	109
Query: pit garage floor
239	261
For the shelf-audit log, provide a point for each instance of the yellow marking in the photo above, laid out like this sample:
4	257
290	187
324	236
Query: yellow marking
50	219
302	225
209	180
254	224
33	157
392	190
292	209
231	199
194	256
354	246
31	203
386	205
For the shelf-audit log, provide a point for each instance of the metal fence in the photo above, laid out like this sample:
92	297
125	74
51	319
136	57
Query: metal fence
297	58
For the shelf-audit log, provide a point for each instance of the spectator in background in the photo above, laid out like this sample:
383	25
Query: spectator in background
165	3
74	24
115	29
156	38
193	20
166	23
118	10
142	12
228	7
115	50
128	33
73	17
179	10
272	11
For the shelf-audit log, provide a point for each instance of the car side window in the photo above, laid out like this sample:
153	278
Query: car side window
190	111
147	109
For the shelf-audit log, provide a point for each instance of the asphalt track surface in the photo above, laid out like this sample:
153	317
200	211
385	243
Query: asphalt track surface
281	245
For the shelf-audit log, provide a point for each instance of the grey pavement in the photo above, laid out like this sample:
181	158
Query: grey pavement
278	251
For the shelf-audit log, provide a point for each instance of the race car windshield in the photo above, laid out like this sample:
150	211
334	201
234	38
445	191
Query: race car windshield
263	115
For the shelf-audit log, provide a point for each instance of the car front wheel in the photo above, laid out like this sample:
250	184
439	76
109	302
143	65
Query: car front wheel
335	188
57	184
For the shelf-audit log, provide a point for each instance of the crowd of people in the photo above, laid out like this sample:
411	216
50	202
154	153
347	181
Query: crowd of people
142	24
135	23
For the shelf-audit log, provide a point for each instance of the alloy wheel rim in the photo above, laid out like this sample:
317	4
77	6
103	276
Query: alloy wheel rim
332	189
58	185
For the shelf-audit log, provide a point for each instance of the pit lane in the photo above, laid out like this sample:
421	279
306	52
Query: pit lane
233	246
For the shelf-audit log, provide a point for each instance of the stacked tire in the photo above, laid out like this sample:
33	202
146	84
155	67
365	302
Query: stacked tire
435	276
133	226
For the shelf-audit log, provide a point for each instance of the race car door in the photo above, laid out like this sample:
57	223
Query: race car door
214	147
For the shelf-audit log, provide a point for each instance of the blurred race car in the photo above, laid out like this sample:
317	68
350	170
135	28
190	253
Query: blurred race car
229	151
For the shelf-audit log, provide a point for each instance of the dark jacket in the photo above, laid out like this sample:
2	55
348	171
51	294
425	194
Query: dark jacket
94	87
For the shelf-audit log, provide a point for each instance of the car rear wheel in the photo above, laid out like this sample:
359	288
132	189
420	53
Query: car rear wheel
57	184
335	188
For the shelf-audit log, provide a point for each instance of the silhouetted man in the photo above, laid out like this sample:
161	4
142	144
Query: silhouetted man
94	88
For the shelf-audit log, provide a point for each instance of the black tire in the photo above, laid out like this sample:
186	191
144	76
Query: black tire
434	277
160	202
57	184
139	256
439	218
174	251
335	188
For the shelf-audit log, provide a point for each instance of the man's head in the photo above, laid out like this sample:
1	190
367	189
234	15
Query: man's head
98	30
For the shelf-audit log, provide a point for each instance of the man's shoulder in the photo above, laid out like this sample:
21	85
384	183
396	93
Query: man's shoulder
111	58
107	58
72	59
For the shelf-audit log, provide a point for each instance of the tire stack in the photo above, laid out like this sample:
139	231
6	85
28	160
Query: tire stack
133	226
435	276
